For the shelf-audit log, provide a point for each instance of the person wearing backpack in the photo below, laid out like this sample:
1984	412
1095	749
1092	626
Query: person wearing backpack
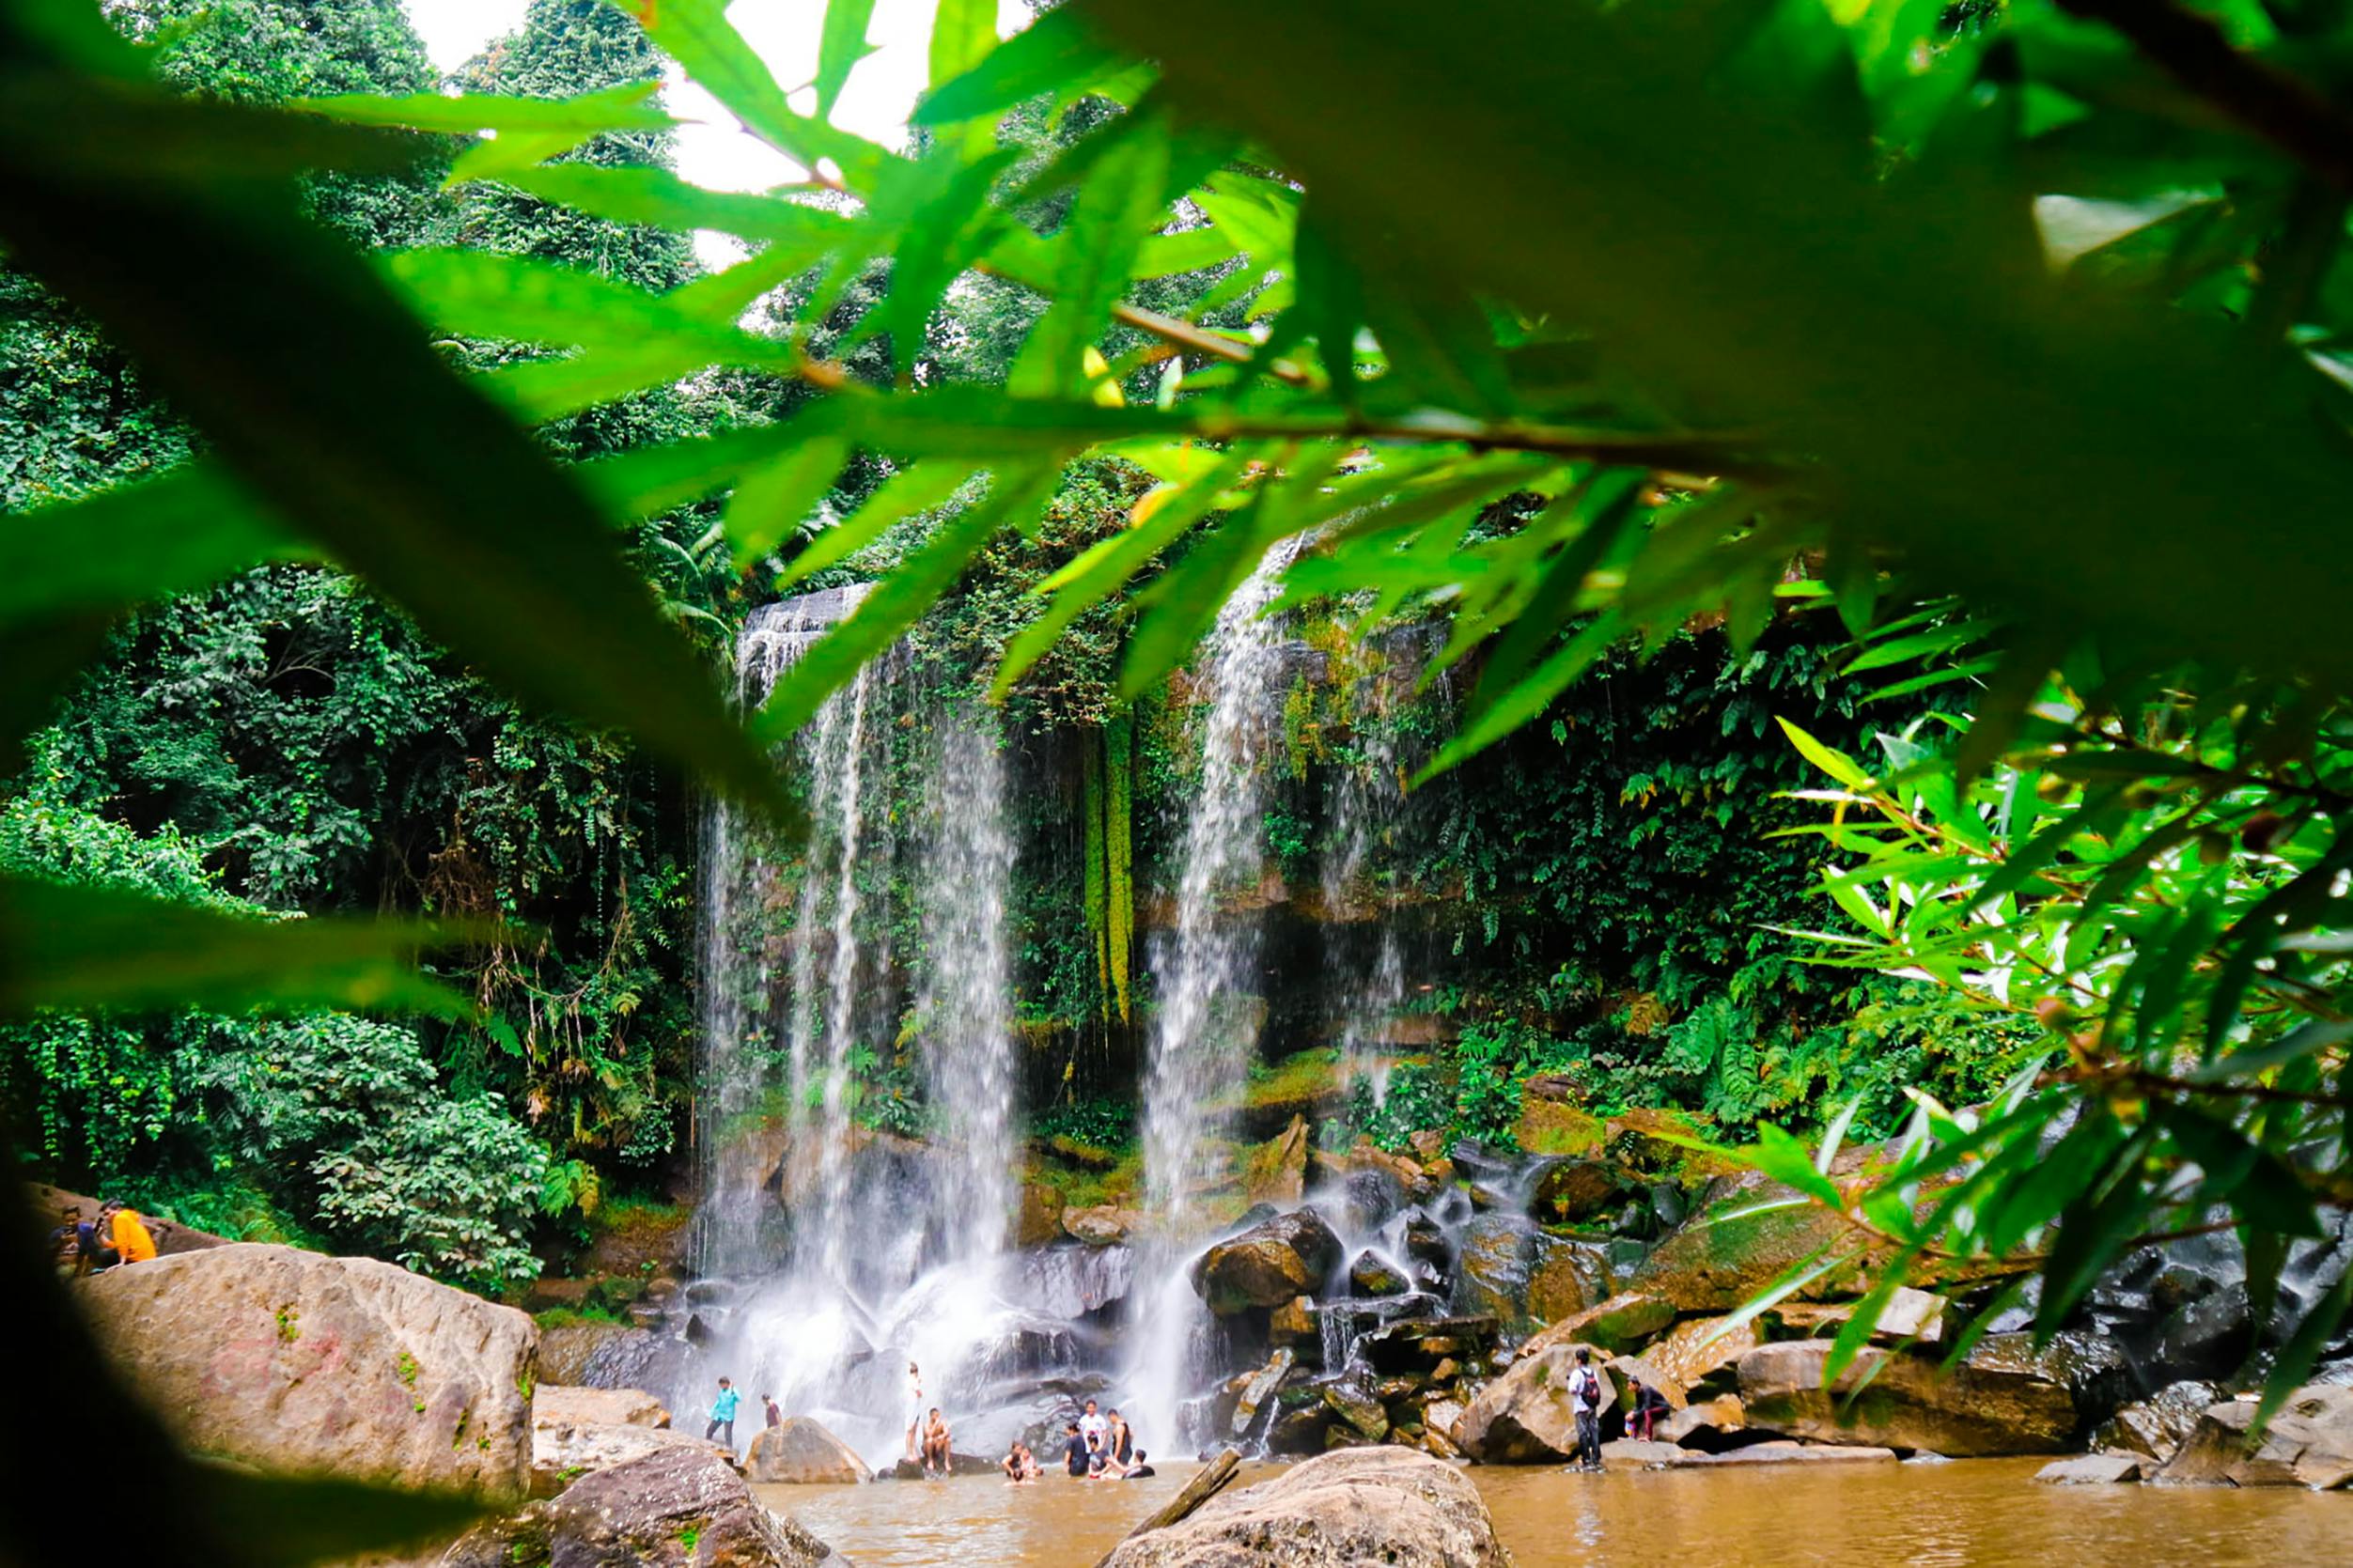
1584	1397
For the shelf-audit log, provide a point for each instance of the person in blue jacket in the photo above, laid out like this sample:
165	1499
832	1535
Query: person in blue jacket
723	1415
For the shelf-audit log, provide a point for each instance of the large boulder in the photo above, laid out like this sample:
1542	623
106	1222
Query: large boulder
559	1404
1267	1266
1038	1219
1624	1321
2309	1443
1699	1348
1524	1416
1492	1272
1103	1225
1570	1191
1989	1404
800	1451
1276	1170
1730	1250
1384	1505
569	1352
297	1361
670	1509
1565	1276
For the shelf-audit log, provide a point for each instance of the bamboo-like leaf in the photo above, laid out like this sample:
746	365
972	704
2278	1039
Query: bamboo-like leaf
907	493
136	542
778	496
1054	53
841	45
87	948
633	194
1119	204
626	107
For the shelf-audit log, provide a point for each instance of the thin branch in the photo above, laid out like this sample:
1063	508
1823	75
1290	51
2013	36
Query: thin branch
2282	109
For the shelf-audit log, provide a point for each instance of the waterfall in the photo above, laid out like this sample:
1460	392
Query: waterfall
1366	802
835	1252
1205	1030
967	864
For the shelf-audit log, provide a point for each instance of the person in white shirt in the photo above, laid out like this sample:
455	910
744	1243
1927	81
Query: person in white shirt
914	1411
1094	1429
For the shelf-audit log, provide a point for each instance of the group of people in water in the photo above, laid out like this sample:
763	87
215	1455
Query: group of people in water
1097	1446
90	1244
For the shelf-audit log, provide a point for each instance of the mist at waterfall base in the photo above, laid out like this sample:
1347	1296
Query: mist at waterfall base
829	1254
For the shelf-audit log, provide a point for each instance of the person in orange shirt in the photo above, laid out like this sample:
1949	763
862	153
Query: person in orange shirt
131	1242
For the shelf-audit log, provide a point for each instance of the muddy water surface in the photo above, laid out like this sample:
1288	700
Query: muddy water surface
1983	1513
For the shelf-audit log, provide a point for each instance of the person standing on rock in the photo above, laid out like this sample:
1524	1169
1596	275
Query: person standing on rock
914	1411
1584	1396
723	1415
775	1417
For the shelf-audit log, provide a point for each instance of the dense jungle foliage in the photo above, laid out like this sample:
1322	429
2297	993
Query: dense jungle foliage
1959	446
1599	902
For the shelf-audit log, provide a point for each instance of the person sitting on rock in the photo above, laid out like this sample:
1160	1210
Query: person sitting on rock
775	1417
1584	1397
935	1445
723	1415
1074	1452
1649	1406
129	1236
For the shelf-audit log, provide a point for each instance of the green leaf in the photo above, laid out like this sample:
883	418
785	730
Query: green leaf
1118	206
1783	1159
290	1521
777	497
697	35
840	46
1835	763
94	948
625	107
136	543
482	294
631	193
963	34
908	493
896	601
1050	54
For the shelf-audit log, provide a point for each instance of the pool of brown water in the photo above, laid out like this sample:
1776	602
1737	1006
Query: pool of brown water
1977	1514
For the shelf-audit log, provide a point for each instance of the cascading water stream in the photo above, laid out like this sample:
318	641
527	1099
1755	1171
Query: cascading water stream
1367	800
833	1253
1201	1040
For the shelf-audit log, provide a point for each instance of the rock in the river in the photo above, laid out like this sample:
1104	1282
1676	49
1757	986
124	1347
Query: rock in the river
1524	1416
1294	1321
1987	1406
1371	1275
563	1451
2309	1443
2092	1469
1260	1388
1384	1505
1698	1348
1267	1265
1624	1321
2155	1427
677	1508
1037	1221
1492	1274
1713	1264
801	1453
1276	1170
1705	1422
568	1354
1358	1405
296	1361
1570	1191
559	1404
1102	1225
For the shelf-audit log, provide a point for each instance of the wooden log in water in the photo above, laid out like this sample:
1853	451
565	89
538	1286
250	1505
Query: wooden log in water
1200	1489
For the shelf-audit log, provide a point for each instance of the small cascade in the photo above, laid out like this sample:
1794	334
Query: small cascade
1366	801
1207	1027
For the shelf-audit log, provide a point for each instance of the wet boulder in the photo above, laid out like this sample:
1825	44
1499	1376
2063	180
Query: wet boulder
1989	1405
1699	1350
1722	1256
2155	1428
1038	1221
670	1509
1256	1390
1287	1256
1425	1243
1565	1277
1570	1191
2092	1469
1300	1430
1298	1321
1373	1275
801	1453
1524	1416
1360	1407
1101	1225
296	1361
2309	1443
1624	1322
563	1451
1276	1170
1491	1273
556	1404
1387	1504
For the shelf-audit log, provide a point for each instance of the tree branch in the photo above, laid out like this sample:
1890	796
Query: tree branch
2282	109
